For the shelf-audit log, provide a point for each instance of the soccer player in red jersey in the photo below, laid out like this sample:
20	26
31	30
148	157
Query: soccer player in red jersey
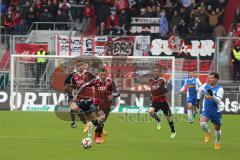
104	91
81	94
158	86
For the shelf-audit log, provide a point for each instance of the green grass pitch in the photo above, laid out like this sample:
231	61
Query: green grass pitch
42	136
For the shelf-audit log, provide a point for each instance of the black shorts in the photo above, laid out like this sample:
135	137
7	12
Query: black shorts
86	107
164	106
69	98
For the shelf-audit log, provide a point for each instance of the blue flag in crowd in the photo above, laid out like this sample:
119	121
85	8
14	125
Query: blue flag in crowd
163	25
186	3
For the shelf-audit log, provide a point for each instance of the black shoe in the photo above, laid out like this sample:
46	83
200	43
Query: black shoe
73	125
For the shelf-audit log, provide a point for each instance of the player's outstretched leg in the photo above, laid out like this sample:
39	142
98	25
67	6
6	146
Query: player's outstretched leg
153	114
171	125
100	125
73	109
218	134
83	119
72	116
204	126
190	112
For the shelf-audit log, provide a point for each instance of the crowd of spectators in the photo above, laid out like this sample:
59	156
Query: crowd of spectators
18	15
183	17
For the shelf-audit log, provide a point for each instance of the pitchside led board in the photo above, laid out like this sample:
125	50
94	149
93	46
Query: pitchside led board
37	101
185	50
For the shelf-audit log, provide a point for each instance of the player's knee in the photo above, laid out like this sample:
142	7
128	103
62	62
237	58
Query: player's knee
74	107
151	110
189	106
203	124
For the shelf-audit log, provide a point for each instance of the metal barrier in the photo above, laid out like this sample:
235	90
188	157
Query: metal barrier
52	26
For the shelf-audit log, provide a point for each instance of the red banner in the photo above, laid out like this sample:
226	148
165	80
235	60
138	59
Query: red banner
28	49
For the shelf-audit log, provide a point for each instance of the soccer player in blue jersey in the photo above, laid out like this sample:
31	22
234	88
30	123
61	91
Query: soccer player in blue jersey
213	94
191	83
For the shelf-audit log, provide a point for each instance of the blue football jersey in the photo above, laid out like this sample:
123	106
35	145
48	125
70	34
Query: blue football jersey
192	85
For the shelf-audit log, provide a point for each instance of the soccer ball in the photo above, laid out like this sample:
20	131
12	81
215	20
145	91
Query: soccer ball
86	143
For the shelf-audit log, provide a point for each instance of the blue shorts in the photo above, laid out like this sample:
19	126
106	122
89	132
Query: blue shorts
215	117
192	100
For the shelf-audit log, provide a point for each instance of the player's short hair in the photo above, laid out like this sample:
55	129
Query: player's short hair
80	63
191	70
214	74
102	69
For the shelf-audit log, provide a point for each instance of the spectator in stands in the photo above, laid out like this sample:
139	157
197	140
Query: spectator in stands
31	17
51	8
9	23
55	6
38	8
65	8
213	18
196	27
3	8
236	62
124	20
182	28
103	8
46	16
143	12
169	8
184	14
174	22
236	17
41	65
60	18
202	17
87	17
150	13
221	4
18	24
113	21
219	30
25	12
103	29
157	12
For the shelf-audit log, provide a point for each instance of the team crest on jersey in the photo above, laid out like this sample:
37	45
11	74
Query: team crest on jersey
155	87
102	88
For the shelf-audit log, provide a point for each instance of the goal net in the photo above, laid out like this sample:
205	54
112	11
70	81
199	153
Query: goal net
39	86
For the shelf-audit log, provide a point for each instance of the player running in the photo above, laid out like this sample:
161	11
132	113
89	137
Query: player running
159	89
104	90
213	94
80	78
192	84
68	92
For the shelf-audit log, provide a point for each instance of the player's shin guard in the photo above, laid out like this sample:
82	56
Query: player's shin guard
95	122
204	126
99	128
72	115
218	136
190	114
155	116
171	125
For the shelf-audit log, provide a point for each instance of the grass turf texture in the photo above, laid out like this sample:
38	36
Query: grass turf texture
42	136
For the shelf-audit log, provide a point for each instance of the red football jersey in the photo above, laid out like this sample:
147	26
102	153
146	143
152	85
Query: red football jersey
158	89
102	90
79	80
